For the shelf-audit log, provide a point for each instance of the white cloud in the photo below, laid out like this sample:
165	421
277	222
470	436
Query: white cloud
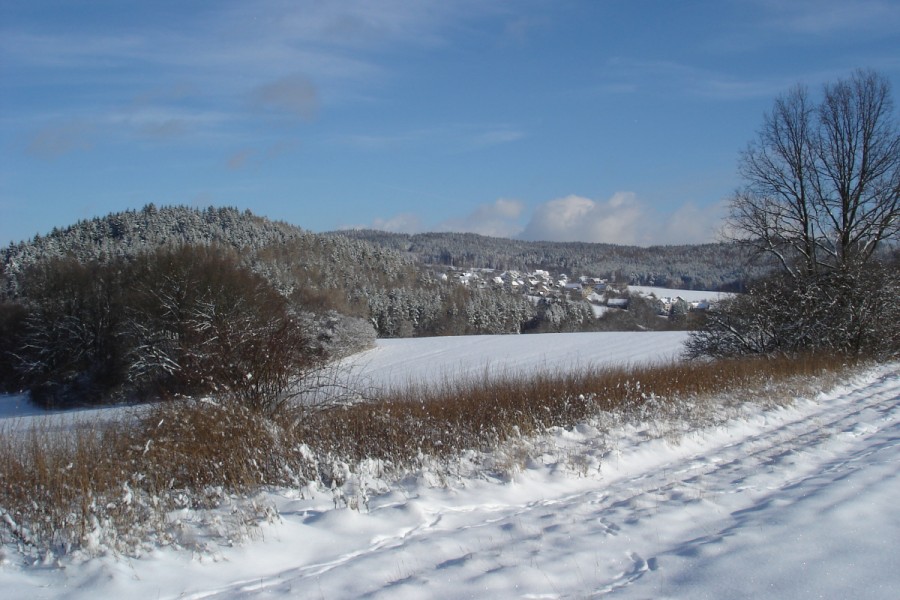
579	219
498	219
622	219
692	224
400	223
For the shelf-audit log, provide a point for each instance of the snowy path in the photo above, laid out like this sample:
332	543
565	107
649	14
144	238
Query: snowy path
797	505
792	503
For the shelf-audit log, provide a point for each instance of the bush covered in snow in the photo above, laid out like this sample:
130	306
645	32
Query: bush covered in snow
178	322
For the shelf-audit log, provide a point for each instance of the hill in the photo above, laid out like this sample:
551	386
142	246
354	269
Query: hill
148	302
715	267
127	234
342	255
385	279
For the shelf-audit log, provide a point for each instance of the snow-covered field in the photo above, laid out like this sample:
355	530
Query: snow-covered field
688	295
401	361
794	502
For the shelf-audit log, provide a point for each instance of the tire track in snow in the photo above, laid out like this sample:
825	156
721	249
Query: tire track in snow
726	484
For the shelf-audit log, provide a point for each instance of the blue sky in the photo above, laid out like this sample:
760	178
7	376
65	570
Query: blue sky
594	120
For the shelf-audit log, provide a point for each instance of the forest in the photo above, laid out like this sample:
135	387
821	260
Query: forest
182	301
715	267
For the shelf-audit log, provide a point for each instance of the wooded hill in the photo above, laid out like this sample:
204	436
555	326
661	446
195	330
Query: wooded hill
717	267
261	244
367	257
386	279
177	300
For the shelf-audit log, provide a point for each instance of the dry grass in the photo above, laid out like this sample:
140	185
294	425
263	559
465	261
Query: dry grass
447	418
114	485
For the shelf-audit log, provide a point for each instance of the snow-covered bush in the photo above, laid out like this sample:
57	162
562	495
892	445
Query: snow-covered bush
342	335
855	314
177	322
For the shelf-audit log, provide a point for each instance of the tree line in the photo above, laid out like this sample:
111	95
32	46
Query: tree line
714	267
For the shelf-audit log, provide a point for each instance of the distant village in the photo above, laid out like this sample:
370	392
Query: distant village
541	284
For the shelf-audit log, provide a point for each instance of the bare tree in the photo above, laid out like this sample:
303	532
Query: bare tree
822	195
823	181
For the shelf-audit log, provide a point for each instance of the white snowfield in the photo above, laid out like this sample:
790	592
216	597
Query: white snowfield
796	502
397	362
688	295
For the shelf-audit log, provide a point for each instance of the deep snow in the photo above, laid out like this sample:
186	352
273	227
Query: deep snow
790	502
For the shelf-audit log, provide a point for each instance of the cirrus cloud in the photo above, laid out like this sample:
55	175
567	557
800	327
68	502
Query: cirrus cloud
57	139
293	95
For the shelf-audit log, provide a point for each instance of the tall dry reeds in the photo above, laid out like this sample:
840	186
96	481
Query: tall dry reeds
444	418
114	484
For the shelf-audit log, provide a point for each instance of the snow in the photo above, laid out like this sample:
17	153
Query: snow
400	361
797	501
687	295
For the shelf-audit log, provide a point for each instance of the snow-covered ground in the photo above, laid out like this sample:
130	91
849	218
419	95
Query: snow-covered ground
793	502
401	361
688	295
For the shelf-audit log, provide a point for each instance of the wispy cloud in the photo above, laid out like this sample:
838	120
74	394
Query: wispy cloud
241	58
453	136
239	159
379	141
498	136
293	95
56	139
254	157
785	26
170	128
826	17
615	88
31	49
357	23
163	122
670	77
